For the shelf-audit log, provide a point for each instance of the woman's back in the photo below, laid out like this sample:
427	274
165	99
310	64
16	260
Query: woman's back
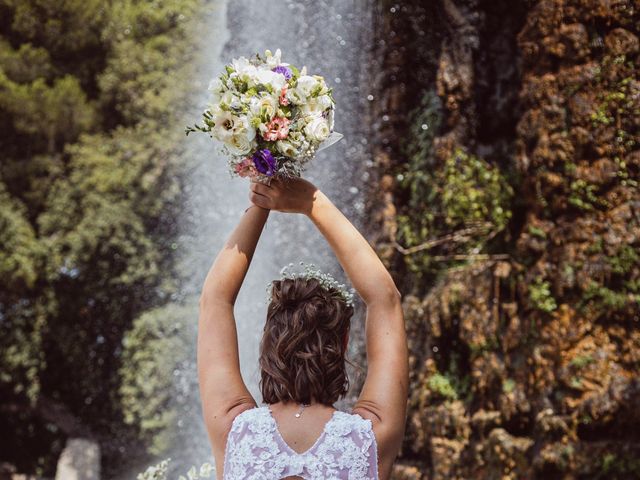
342	446
302	354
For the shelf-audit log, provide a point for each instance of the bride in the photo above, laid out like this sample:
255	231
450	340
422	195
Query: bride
298	433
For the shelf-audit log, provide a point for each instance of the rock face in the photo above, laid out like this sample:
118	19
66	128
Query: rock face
80	460
508	208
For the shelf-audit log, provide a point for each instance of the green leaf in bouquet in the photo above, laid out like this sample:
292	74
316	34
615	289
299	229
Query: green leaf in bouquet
264	87
229	69
195	128
295	71
330	94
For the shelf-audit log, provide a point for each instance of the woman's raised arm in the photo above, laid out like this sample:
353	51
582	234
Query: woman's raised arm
384	395
222	391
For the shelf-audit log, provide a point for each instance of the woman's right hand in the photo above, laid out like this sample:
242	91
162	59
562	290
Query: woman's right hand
295	195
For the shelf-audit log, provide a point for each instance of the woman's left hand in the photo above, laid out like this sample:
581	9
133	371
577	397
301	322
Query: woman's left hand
295	195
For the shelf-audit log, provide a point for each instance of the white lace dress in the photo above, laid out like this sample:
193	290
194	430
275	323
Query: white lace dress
255	450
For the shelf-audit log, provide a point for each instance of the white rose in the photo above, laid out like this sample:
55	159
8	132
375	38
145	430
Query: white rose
296	96
266	105
317	129
315	106
306	83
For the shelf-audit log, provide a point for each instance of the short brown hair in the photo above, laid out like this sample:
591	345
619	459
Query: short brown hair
302	353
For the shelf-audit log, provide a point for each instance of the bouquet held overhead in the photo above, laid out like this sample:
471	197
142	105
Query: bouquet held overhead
270	117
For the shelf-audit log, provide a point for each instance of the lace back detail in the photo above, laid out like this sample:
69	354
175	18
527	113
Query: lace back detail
255	450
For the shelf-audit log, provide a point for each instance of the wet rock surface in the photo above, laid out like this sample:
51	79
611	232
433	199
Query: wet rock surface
523	310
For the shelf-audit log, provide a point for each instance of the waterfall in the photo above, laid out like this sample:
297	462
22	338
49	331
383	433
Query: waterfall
332	38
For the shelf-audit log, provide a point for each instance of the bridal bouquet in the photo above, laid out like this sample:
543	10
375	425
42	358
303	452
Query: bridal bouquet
270	117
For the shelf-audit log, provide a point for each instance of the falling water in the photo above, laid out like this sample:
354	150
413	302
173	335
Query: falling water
332	38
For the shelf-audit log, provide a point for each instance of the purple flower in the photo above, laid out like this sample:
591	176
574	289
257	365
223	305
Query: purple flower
286	71
264	162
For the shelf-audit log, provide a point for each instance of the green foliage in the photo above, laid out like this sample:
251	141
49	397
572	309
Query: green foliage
540	296
135	84
155	346
25	64
60	27
55	114
90	186
159	472
155	472
21	255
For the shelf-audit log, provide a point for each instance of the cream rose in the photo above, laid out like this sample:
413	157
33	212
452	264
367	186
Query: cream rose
239	144
264	106
317	129
287	149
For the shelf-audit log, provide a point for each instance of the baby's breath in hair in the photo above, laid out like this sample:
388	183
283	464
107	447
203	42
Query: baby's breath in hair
309	271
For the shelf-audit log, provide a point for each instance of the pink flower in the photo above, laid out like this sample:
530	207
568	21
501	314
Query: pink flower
283	95
277	129
246	168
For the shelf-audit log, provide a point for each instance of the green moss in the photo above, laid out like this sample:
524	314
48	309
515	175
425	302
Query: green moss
441	385
632	285
537	232
540	296
601	115
568	273
441	197
584	195
619	464
582	361
474	191
596	247
465	193
616	105
575	383
508	385
605	298
491	343
585	419
626	258
622	171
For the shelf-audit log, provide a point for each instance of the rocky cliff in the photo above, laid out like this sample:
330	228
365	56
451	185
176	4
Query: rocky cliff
509	211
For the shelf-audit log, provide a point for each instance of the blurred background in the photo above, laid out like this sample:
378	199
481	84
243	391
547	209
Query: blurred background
490	156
